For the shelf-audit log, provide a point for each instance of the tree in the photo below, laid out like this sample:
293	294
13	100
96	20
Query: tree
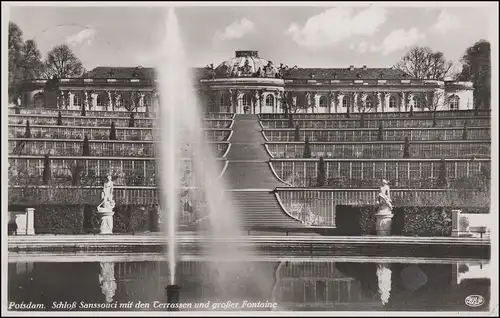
131	121
112	132
406	150
46	170
86	147
321	172
63	63
27	132
476	67
380	134
290	120
434	101
307	149
59	119
465	131
24	61
442	181
297	133
411	111
423	63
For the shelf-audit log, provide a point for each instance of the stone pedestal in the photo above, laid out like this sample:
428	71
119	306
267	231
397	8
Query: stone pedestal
383	221
24	221
106	215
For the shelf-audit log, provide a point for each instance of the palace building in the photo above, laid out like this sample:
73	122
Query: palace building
248	83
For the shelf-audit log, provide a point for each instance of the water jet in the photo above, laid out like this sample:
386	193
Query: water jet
173	292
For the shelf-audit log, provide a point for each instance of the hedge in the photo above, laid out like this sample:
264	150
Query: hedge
80	219
407	221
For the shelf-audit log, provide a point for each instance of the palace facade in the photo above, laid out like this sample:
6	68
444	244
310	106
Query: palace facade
247	83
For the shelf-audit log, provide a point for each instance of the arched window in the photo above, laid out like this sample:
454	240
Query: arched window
454	101
270	100
323	101
39	100
393	103
346	101
246	100
370	101
77	100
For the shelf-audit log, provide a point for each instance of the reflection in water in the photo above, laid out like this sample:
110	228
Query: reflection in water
107	280
293	285
384	282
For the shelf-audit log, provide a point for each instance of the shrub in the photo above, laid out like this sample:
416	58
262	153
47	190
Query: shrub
131	121
84	112
419	221
297	133
27	132
362	121
442	181
59	119
411	111
465	132
58	219
406	150
290	120
112	132
321	172
380	134
86	146
307	149
46	170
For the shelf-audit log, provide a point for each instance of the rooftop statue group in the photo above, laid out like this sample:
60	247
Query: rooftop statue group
246	70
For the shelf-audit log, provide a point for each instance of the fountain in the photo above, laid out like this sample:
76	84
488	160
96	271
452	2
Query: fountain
181	118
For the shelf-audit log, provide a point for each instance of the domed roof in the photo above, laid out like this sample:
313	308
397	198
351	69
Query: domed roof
246	64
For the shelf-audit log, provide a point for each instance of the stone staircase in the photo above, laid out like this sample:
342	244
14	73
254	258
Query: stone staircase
251	180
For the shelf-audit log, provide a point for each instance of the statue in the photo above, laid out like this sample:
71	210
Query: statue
384	214
246	69
106	207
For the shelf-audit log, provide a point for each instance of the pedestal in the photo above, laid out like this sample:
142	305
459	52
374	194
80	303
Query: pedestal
383	221
106	215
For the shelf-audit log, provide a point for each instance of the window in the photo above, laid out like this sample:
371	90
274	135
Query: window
101	100
246	100
454	100
222	100
270	100
323	102
392	102
39	100
370	102
346	101
417	101
77	100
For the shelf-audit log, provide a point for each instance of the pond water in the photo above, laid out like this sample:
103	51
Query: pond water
280	284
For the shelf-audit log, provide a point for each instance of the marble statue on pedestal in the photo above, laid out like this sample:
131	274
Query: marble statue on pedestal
384	214
106	207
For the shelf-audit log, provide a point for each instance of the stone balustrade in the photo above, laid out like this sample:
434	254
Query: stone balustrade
371	134
375	122
403	173
383	149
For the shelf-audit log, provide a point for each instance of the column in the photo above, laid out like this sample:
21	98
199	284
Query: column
315	105
30	224
455	222
331	99
387	97
379	101
232	107
339	108
410	101
141	102
85	101
93	98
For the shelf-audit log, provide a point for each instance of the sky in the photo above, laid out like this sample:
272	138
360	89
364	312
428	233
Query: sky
306	36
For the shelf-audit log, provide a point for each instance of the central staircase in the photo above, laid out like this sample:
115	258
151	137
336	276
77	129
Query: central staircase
251	180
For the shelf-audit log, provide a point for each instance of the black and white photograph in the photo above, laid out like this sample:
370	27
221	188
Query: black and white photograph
250	158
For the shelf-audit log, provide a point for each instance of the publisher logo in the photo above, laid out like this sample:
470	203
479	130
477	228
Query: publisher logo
474	300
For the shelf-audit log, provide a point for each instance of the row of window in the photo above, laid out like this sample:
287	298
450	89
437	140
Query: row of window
346	100
101	100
